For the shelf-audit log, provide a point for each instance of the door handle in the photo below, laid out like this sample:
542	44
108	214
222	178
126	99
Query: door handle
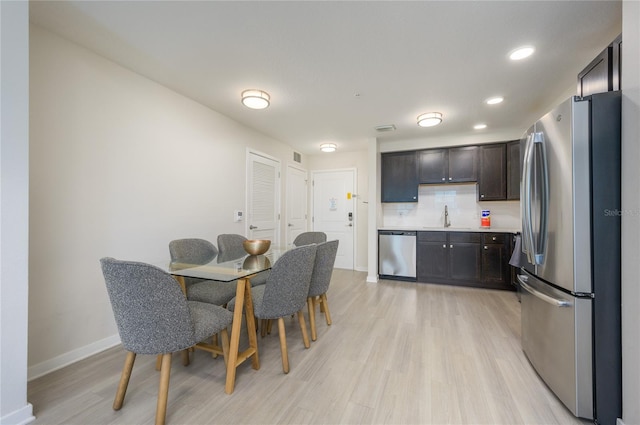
350	225
544	297
252	227
290	225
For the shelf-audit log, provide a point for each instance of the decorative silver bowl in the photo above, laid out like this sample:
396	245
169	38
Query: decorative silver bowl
256	246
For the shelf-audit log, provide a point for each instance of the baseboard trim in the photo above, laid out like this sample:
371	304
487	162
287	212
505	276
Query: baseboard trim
361	269
70	357
372	278
21	416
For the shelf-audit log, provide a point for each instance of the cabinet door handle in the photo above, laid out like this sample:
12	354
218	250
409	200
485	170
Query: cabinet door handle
450	178
450	246
482	196
414	197
493	238
444	246
485	247
443	179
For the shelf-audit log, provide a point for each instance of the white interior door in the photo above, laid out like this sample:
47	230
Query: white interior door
296	200
263	200
334	211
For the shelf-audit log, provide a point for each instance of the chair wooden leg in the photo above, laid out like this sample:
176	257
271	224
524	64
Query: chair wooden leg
311	306
185	358
124	380
214	341
303	328
158	362
327	314
224	335
283	345
263	327
163	390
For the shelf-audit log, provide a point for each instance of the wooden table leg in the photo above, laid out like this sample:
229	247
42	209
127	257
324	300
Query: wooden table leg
234	340
251	325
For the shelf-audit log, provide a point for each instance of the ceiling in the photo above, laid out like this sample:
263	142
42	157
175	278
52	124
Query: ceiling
336	70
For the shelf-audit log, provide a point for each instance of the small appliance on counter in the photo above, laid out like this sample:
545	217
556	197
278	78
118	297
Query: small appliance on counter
397	255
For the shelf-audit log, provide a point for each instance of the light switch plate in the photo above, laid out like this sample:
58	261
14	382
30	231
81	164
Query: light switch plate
238	216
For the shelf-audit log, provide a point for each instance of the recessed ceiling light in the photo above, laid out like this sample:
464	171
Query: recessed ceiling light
429	119
521	53
255	99
479	126
494	100
328	147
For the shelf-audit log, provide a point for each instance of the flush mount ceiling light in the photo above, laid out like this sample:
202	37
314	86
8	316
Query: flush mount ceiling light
429	119
479	126
494	100
255	99
328	147
521	53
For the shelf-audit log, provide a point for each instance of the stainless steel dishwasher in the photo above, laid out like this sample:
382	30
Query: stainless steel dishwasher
397	255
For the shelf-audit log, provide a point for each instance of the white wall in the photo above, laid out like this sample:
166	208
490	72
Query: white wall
14	213
119	166
631	207
358	160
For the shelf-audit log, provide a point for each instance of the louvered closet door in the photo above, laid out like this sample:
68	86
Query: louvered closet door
263	198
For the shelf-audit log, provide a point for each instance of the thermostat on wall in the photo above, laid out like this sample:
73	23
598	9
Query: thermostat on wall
237	216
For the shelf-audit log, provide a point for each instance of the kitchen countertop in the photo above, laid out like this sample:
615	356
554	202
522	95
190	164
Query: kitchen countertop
451	229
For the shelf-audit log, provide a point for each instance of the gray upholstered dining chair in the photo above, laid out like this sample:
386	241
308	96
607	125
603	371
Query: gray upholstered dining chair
285	293
200	251
154	317
320	279
307	238
231	248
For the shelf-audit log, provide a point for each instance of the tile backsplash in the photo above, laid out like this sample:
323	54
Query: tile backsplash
462	203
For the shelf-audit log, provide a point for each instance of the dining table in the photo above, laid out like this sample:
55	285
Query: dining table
223	270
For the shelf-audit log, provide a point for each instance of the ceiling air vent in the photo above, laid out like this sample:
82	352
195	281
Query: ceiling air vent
383	128
297	157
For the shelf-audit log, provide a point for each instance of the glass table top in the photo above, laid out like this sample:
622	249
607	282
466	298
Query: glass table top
225	271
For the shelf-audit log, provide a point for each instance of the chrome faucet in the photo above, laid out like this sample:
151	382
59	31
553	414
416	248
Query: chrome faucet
447	223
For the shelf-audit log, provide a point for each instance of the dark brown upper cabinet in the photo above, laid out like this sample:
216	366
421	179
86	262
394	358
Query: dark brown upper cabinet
399	177
452	165
499	171
433	165
604	72
513	170
492	184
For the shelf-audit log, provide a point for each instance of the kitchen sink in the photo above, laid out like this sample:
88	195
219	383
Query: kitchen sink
447	228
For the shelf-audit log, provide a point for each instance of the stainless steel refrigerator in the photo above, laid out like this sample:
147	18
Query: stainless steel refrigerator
570	281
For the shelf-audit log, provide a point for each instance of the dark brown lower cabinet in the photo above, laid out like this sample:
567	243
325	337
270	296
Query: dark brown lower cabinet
495	260
432	256
464	258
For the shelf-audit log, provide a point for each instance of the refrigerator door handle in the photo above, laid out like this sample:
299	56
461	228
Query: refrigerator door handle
544	297
527	232
540	248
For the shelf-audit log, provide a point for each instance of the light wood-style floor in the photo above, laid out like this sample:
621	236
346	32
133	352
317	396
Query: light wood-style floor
397	353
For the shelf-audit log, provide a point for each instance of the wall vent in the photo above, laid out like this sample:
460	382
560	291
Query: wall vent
297	157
